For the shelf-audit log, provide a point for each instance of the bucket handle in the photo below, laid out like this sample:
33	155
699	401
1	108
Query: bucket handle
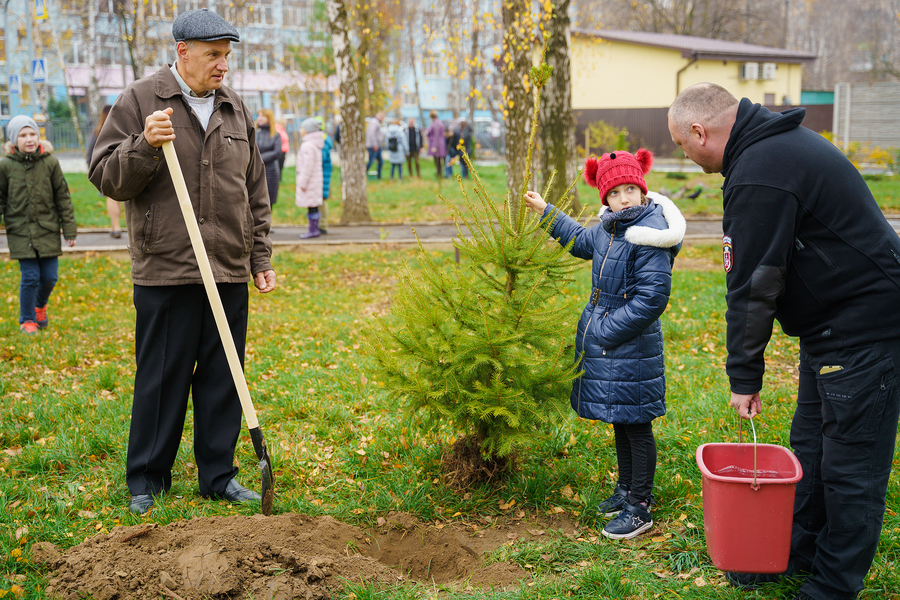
755	486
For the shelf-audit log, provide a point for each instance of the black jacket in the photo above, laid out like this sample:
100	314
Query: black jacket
805	243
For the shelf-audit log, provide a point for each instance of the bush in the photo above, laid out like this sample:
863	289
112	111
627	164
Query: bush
604	137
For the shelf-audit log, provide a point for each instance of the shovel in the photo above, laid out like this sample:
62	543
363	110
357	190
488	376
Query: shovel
215	302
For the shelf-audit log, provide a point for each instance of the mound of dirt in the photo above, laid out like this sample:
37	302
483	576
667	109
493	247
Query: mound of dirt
281	557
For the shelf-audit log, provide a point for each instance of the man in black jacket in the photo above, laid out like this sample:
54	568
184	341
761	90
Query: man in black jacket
805	243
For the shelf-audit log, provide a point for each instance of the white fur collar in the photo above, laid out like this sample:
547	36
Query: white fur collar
659	238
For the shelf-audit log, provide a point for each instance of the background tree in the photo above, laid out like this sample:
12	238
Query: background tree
518	39
557	131
315	61
131	16
353	144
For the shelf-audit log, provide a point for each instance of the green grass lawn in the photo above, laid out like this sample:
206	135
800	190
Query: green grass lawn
66	404
416	200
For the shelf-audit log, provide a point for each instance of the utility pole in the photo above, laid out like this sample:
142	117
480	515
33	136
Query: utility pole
32	90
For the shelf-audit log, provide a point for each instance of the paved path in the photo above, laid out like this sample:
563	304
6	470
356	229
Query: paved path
342	237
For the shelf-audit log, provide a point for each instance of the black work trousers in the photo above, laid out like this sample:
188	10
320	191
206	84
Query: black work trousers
843	434
179	352
636	455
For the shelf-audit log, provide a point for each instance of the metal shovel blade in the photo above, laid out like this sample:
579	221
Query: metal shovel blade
265	467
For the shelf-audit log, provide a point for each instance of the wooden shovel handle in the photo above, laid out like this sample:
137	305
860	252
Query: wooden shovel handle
209	282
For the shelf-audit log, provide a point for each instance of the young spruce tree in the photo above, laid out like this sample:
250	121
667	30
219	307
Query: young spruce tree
483	346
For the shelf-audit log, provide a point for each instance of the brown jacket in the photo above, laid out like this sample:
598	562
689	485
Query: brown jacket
225	178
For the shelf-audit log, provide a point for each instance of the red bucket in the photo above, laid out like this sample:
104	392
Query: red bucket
748	505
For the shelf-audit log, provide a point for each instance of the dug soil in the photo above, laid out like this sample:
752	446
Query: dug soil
288	557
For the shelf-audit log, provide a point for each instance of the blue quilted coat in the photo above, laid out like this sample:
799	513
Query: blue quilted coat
619	338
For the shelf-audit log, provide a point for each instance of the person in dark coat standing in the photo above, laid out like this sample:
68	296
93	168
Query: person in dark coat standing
453	153
465	135
619	340
269	142
414	144
806	243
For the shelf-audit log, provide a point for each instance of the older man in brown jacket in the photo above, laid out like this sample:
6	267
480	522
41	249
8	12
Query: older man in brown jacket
177	346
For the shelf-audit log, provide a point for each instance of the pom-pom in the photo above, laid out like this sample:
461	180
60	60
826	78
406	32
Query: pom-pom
645	159
590	171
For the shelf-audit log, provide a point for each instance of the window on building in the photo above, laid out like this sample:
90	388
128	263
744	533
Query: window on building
76	54
431	64
186	5
253	100
769	99
258	60
111	50
160	8
4	99
296	13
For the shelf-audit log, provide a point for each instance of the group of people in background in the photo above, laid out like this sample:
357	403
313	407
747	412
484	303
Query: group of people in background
404	144
446	145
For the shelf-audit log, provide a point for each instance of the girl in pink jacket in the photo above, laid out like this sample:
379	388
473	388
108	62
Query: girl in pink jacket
309	174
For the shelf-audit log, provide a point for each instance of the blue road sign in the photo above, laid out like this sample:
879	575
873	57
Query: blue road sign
38	71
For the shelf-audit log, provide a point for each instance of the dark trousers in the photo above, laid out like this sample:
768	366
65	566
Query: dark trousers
399	168
843	434
39	276
636	455
439	165
373	155
413	159
179	352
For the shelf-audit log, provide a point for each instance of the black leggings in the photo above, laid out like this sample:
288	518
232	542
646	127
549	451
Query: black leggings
636	454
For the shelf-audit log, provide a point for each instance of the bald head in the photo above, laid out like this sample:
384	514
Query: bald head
700	122
706	103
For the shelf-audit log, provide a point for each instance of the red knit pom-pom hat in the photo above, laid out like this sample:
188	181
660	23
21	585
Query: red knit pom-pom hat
613	169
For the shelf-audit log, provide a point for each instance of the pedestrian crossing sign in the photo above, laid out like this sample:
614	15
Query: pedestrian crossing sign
40	9
38	71
15	84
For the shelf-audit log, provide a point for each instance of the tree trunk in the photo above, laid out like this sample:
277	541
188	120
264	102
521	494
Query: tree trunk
557	129
412	64
517	98
353	142
474	62
93	90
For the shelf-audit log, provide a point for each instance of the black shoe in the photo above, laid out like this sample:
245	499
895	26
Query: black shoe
235	492
613	505
751	581
140	503
115	234
634	520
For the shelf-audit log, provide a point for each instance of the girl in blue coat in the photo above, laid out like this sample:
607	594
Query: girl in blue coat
619	343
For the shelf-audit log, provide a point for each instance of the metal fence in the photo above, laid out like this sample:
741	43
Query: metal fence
62	134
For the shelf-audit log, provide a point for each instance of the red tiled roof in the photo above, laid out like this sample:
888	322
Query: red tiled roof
701	48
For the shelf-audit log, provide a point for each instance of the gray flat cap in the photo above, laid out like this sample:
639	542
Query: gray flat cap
203	25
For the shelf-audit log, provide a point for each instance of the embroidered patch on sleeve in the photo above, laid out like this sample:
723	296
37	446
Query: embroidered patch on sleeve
727	253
